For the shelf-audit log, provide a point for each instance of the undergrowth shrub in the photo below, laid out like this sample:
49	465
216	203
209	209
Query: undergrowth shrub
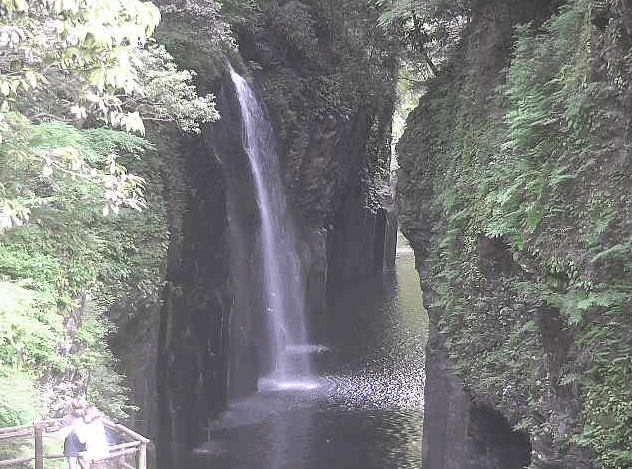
60	275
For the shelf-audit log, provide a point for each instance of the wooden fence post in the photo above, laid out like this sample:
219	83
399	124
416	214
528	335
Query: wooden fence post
38	430
142	456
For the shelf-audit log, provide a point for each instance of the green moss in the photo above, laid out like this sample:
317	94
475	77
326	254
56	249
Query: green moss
526	226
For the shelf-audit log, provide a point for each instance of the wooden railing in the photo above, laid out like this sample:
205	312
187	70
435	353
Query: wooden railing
132	444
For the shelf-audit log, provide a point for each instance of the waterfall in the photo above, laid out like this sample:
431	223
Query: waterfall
283	288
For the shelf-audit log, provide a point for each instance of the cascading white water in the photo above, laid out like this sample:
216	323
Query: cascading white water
284	291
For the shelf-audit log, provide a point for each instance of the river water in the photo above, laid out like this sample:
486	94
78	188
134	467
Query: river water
362	407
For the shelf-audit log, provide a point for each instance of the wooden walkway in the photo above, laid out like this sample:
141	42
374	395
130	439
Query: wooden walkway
130	454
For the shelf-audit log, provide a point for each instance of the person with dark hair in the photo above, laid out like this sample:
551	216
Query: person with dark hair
75	441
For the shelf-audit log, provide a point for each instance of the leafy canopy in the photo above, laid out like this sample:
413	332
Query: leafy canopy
428	28
91	63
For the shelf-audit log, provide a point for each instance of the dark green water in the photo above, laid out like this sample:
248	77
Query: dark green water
363	406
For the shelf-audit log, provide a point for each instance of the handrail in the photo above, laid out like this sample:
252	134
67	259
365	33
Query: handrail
11	462
15	434
131	444
137	446
132	433
19	427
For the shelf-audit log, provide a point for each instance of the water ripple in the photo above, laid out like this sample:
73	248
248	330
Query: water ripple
361	408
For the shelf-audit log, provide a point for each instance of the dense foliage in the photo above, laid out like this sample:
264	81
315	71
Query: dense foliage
528	230
429	29
324	63
61	274
71	73
90	63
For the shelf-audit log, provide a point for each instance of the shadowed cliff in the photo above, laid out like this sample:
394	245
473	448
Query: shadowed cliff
507	194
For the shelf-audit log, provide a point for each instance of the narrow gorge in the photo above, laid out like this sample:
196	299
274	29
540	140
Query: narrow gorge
511	189
502	191
319	234
333	141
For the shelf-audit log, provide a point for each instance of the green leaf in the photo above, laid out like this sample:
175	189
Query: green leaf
97	78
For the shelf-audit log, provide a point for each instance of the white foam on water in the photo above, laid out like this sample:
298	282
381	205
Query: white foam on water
305	349
271	384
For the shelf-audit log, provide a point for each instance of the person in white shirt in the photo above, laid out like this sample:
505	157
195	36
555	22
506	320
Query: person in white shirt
96	441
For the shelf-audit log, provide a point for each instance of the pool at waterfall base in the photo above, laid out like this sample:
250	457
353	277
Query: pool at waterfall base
362	404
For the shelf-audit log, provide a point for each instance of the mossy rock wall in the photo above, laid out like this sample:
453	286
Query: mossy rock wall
332	108
514	193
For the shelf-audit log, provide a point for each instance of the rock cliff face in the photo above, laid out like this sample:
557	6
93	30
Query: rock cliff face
334	139
332	109
521	242
191	383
